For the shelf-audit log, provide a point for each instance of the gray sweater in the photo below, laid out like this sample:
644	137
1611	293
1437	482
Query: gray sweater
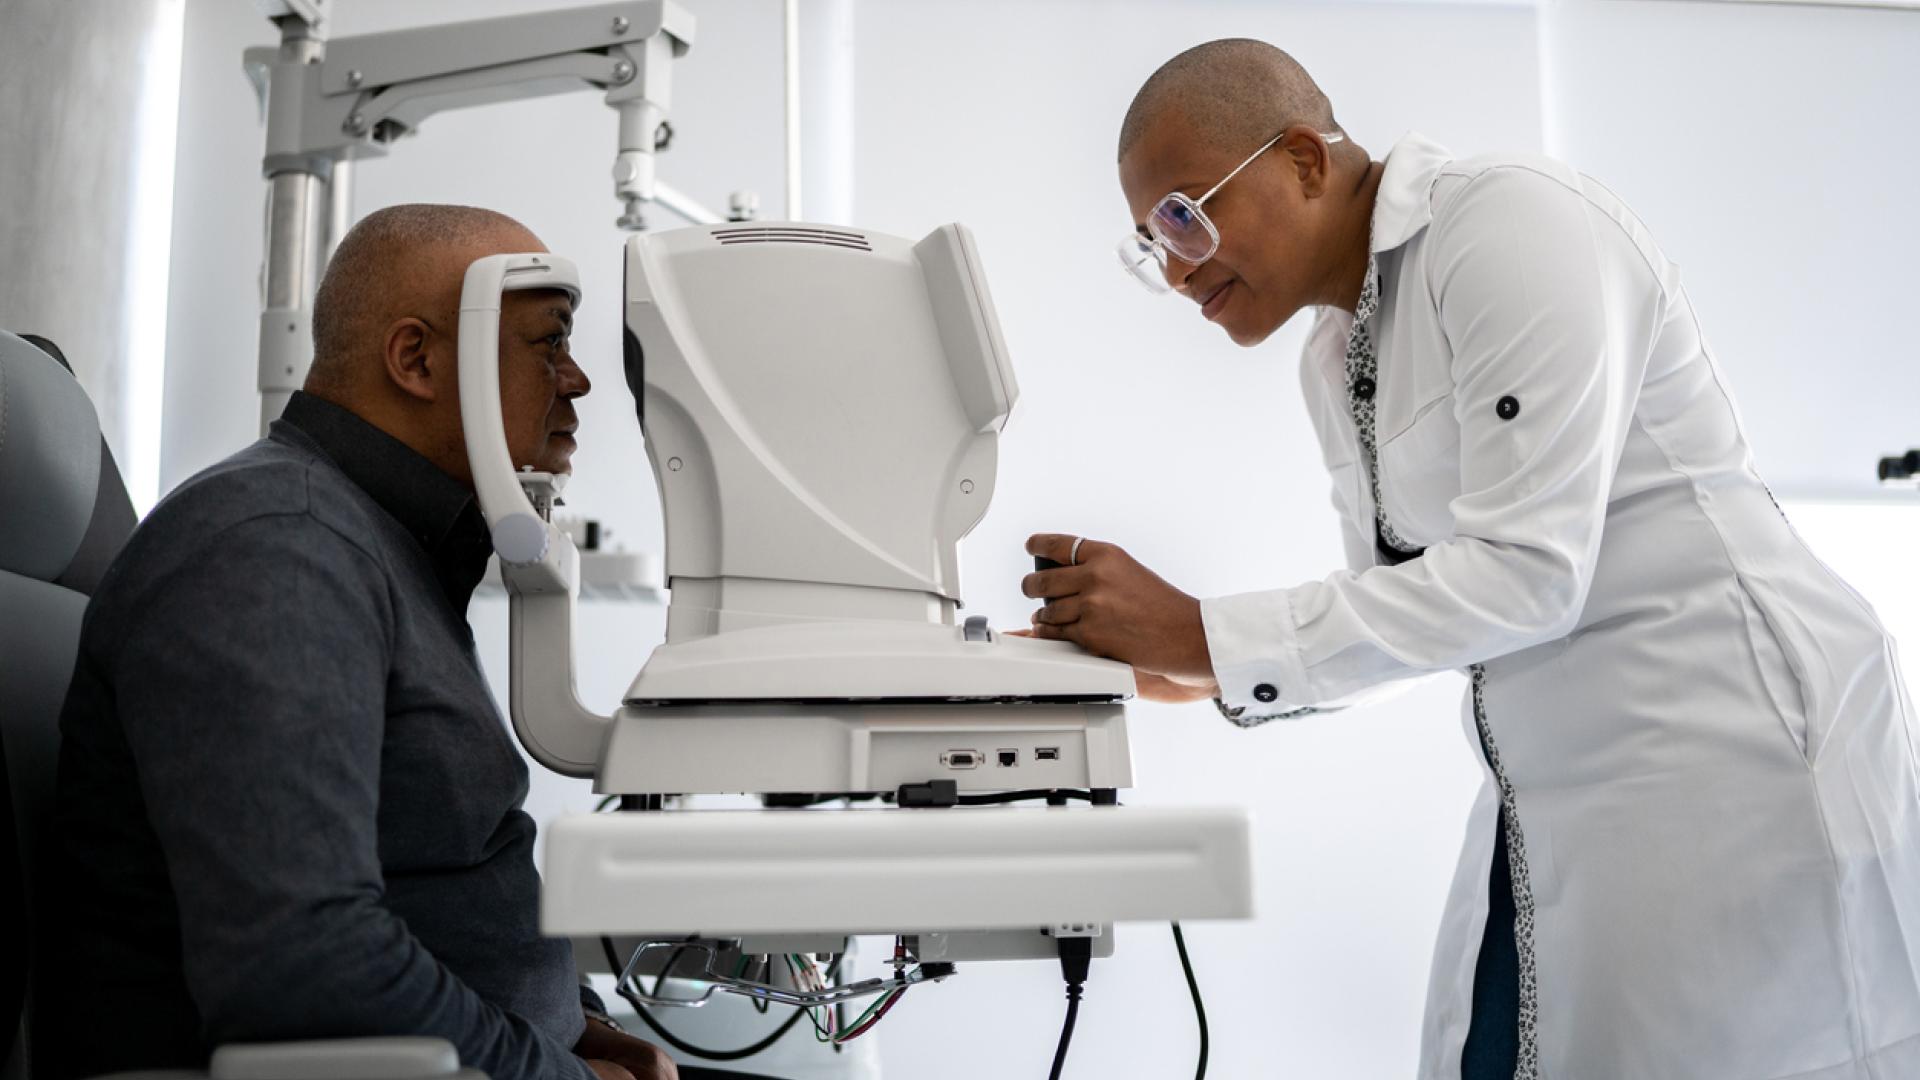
287	805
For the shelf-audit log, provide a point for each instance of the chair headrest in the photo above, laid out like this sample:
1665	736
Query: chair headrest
66	510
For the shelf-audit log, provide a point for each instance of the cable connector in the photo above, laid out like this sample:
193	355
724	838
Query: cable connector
933	793
1076	957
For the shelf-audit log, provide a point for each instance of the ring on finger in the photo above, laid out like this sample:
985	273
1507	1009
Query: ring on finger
1073	556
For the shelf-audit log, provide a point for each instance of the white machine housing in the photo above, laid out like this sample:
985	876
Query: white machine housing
830	663
819	461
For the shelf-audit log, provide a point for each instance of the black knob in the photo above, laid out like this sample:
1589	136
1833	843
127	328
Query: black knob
1900	466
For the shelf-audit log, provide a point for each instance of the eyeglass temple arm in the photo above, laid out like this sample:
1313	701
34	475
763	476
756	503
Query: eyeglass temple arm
1330	137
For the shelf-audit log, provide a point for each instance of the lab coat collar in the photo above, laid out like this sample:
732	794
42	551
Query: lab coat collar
1404	204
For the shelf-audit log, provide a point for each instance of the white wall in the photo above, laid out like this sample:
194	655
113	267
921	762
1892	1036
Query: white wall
1771	149
211	404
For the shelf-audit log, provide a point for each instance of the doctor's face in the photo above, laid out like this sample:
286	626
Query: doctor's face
1270	218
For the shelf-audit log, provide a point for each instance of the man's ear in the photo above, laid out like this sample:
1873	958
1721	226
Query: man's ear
409	358
1312	161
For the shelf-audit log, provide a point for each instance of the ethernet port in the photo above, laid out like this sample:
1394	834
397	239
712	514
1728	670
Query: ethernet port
1007	758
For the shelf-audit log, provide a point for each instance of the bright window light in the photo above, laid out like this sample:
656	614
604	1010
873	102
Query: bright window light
150	252
1871	545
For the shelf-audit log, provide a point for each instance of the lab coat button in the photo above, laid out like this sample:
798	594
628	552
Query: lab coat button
1508	407
1363	388
1265	692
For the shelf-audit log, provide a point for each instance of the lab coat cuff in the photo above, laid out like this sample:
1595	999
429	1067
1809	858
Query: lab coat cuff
1253	641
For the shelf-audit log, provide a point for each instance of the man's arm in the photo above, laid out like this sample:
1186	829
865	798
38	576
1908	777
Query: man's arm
251	685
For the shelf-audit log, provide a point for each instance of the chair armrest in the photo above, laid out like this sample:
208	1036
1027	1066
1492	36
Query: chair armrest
341	1059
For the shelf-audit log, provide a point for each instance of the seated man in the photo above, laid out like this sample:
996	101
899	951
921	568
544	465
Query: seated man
287	805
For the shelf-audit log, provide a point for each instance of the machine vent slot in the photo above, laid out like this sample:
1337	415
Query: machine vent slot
768	234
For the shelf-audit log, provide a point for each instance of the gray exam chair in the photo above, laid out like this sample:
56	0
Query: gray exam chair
64	515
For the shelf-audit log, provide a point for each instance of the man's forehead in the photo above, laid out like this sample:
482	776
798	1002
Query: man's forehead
554	302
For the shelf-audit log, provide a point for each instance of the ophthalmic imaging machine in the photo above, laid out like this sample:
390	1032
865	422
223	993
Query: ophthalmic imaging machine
821	407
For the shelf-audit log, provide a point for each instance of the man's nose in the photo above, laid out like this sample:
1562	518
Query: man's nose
573	380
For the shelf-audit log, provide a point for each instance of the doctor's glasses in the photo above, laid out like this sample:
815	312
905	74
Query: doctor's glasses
1179	226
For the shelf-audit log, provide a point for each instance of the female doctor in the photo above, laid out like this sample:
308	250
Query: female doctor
1698	851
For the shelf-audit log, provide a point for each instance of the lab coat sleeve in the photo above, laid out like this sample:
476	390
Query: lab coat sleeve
1545	306
262	784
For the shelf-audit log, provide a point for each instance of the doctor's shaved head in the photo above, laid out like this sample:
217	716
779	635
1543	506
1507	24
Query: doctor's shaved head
1230	93
1289	231
386	332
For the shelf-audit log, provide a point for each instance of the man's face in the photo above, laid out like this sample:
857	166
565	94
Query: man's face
538	379
1266	267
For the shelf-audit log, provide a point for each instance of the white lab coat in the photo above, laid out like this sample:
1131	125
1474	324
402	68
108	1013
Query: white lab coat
1703	729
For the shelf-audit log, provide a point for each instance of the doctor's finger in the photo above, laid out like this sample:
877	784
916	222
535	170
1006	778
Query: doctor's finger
1059	612
1055	546
1048	584
1049	632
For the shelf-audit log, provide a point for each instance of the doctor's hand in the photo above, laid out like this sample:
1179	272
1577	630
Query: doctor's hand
1158	687
1111	606
1173	691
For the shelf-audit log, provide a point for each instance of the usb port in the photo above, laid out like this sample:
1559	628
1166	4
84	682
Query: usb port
1046	753
1007	758
960	759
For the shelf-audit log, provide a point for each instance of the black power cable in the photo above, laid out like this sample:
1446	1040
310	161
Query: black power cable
1199	1007
1024	795
1076	956
685	1047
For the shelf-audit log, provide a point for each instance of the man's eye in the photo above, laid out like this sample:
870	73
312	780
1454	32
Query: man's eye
555	341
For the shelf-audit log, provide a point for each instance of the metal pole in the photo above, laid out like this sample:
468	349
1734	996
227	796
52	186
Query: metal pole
339	212
300	210
792	15
294	204
682	204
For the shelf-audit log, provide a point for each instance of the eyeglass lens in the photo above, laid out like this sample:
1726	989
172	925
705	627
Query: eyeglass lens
1183	227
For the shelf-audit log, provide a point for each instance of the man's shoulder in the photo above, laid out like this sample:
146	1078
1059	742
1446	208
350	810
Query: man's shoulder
274	493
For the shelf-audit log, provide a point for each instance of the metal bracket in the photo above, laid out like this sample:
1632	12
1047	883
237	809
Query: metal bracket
543	490
779	995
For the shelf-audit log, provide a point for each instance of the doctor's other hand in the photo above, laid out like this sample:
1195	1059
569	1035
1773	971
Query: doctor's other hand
1111	606
1150	687
613	1054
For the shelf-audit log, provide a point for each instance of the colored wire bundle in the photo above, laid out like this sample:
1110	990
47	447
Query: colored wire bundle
826	1025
